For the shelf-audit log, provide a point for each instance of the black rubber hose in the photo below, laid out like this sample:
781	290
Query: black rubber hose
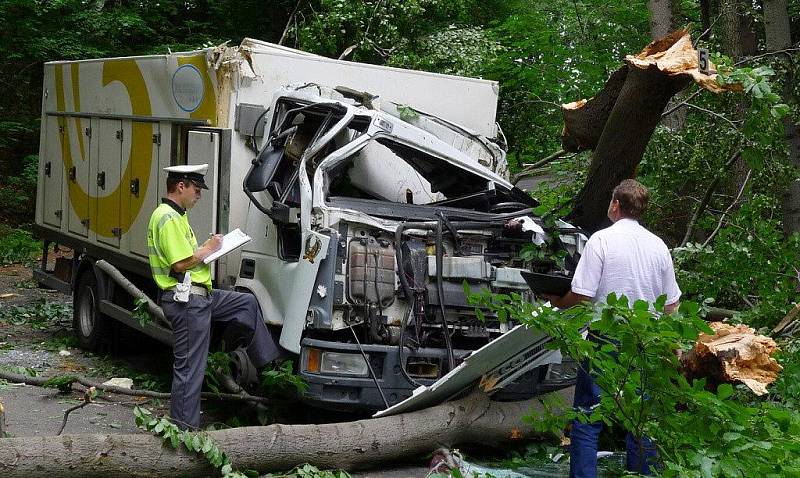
440	292
403	326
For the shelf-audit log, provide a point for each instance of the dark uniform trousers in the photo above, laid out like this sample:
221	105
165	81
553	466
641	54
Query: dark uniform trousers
191	327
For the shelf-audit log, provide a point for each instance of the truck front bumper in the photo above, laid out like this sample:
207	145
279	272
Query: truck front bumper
359	393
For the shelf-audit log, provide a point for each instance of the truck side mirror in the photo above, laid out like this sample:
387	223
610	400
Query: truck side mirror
264	168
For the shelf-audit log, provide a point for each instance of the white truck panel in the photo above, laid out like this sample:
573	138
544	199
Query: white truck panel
160	94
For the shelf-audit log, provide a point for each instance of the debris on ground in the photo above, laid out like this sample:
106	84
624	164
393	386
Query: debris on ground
734	354
120	382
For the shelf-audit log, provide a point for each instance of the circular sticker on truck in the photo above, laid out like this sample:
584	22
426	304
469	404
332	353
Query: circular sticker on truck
187	88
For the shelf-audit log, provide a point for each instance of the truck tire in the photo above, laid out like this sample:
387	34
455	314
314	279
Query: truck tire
89	324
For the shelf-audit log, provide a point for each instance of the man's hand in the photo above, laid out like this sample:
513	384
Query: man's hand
567	301
214	243
209	247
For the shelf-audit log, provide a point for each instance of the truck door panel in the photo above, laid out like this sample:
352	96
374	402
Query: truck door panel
78	179
140	188
203	148
105	181
51	171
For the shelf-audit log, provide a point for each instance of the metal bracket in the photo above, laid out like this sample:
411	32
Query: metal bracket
88	131
119	134
85	222
47	169
72	174
135	187
157	138
116	231
101	180
58	213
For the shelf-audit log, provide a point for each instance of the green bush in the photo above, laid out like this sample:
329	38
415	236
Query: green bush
17	246
644	392
749	265
18	193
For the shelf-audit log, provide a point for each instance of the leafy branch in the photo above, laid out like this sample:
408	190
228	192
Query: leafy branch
196	442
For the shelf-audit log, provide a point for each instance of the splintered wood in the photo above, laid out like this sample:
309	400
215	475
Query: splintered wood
733	354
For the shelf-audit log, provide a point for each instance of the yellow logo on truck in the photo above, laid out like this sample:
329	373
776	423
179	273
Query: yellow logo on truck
193	92
141	153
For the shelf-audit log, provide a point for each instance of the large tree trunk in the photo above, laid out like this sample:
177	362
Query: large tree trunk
625	113
663	16
777	28
353	445
660	18
630	125
737	40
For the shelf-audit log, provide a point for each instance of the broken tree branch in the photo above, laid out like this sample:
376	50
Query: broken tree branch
40	381
88	395
707	197
733	354
348	446
682	103
728	209
713	113
619	121
289	22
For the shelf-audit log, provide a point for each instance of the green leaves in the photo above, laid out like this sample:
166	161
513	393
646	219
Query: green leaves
698	430
141	312
197	442
281	378
62	382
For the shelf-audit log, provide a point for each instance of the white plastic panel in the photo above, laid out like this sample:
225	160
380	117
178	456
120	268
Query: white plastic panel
203	148
141	188
79	132
105	179
51	172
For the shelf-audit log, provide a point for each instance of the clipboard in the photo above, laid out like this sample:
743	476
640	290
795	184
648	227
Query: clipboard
230	241
550	284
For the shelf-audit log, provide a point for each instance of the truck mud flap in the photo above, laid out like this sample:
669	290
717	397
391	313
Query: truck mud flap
493	365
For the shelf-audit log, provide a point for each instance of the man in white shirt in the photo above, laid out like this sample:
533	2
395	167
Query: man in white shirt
628	260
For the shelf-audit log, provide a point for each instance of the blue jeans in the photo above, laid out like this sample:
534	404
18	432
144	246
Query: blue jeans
583	439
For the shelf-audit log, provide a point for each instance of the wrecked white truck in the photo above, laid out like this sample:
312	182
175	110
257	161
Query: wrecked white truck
368	211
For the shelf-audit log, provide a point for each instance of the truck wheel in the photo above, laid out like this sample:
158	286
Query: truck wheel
87	321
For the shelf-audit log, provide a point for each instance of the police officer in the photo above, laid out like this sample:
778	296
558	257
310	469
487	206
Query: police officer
190	304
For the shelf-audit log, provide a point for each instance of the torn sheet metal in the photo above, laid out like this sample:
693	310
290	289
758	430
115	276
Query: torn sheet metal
495	364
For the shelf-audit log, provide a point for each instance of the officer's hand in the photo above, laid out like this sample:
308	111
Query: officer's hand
214	242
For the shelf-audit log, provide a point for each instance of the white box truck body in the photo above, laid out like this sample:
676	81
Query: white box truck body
369	192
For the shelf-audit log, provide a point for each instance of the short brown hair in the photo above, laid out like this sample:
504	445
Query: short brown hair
172	183
632	197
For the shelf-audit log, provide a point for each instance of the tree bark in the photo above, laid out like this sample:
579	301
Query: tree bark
660	18
663	14
778	33
584	120
705	18
621	146
349	446
735	43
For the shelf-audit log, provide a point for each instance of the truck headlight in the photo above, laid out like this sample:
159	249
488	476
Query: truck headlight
335	363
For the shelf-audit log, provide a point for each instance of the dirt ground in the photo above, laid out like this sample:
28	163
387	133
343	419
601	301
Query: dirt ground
36	338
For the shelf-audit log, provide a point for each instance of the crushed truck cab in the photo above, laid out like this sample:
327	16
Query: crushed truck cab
374	196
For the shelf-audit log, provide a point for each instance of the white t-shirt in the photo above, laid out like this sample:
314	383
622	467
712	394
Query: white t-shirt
629	260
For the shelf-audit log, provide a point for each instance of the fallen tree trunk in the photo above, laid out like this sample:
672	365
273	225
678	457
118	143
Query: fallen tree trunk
349	446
